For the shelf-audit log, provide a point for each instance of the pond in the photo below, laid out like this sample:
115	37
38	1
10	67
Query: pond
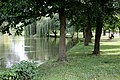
15	49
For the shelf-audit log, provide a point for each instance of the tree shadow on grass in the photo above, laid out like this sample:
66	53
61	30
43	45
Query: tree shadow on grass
110	40
98	60
110	49
107	52
104	47
114	59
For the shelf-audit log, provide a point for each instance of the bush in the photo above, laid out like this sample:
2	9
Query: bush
24	70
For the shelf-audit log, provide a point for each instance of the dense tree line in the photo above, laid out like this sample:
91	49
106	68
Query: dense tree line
83	14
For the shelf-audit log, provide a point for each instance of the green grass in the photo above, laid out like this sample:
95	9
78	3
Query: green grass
82	66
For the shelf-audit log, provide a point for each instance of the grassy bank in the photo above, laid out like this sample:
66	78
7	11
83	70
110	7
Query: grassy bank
82	66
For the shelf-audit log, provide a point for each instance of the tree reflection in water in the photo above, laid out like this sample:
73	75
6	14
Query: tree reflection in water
15	49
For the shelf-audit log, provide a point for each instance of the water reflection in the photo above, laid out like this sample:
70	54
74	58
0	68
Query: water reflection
11	50
15	49
40	48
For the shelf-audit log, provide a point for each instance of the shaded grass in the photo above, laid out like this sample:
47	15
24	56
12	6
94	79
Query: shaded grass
82	66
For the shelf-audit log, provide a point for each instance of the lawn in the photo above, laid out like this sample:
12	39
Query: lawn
83	66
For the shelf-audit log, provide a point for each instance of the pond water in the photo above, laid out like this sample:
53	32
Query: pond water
15	49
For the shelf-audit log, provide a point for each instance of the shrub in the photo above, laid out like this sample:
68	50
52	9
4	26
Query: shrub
24	70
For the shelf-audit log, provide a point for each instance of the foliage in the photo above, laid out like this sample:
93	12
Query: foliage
92	11
112	22
22	71
15	11
24	11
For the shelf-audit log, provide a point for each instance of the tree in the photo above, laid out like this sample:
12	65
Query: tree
26	11
62	48
104	8
88	32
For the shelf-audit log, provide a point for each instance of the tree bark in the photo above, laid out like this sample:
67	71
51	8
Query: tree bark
87	36
91	35
77	34
99	25
83	32
62	46
88	30
109	34
104	32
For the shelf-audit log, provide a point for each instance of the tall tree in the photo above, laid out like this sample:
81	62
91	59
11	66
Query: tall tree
99	25
62	47
103	8
88	32
25	11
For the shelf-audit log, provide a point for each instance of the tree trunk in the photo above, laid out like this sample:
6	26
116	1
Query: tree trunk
99	25
109	34
83	32
87	36
33	28
77	34
72	35
104	32
62	46
55	33
91	33
88	30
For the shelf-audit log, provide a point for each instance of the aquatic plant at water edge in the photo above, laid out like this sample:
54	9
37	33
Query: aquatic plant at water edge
25	70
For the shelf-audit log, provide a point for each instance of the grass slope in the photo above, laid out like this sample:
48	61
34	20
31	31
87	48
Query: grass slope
82	66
